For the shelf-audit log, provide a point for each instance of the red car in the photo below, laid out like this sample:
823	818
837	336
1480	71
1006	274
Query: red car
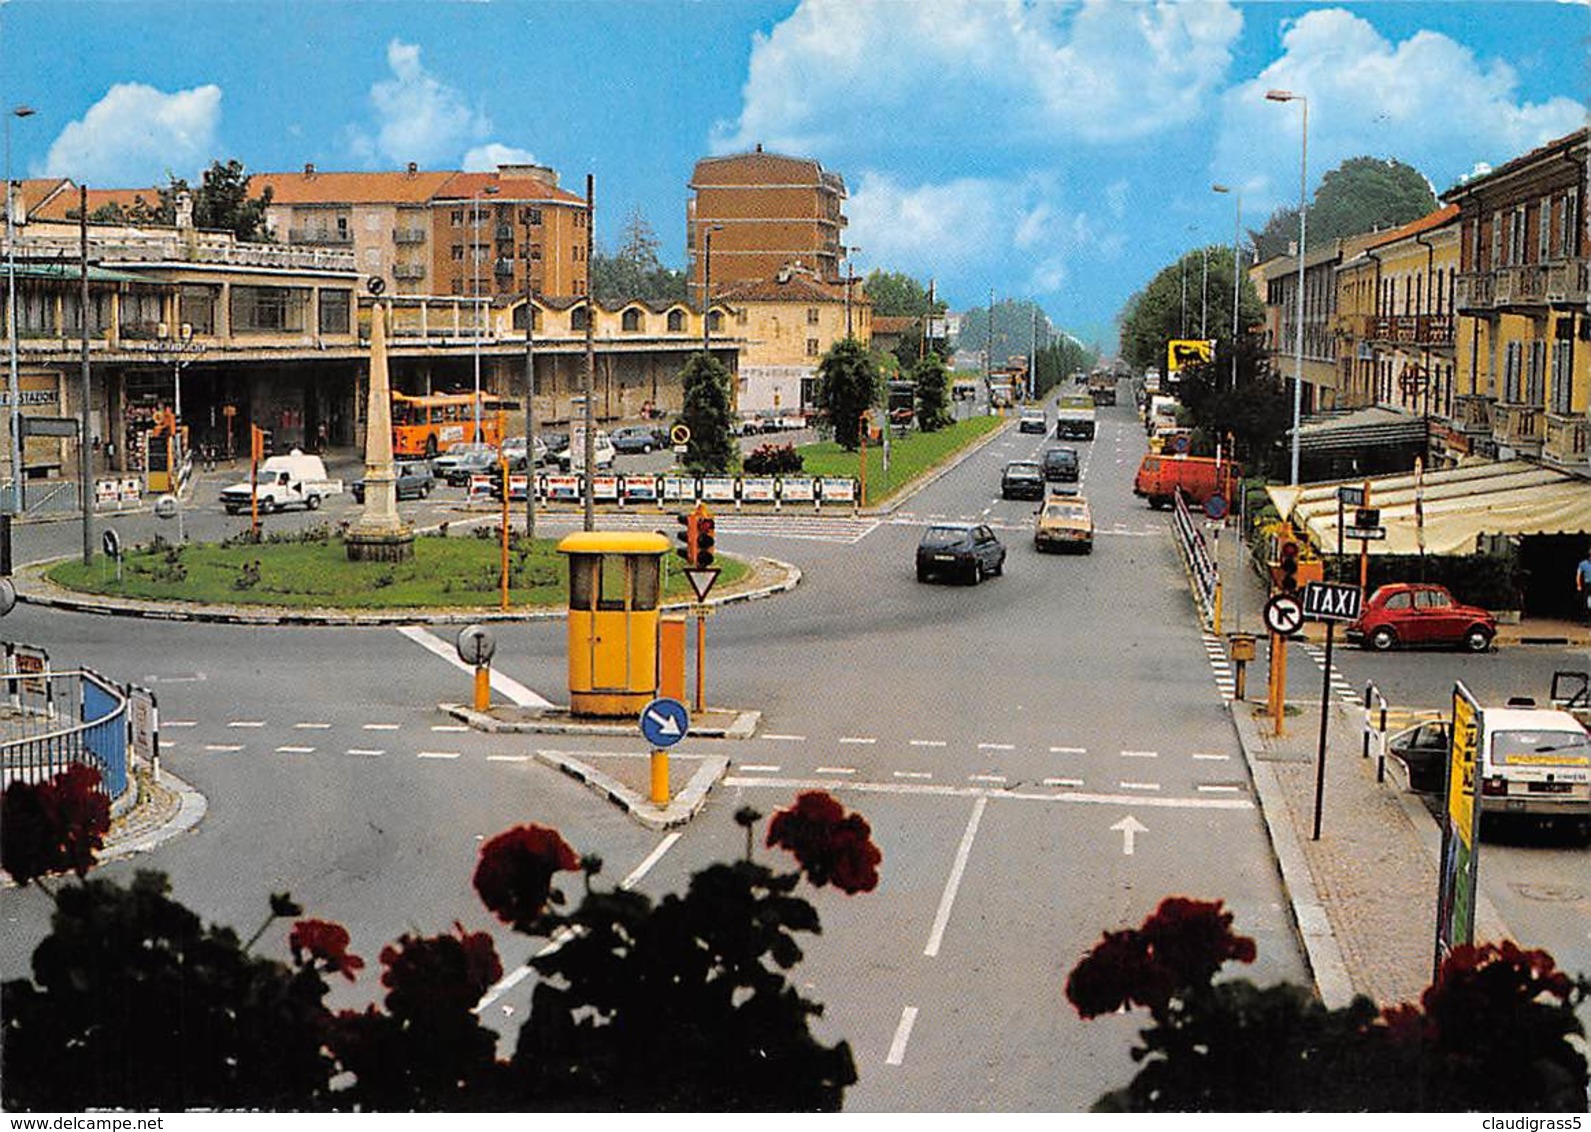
1407	614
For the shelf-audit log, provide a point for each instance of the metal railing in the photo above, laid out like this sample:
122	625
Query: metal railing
50	721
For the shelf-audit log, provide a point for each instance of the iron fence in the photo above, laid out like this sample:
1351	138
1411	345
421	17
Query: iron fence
50	721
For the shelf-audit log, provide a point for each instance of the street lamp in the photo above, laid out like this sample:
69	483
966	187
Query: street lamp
475	292
707	286
13	386
1298	340
1237	228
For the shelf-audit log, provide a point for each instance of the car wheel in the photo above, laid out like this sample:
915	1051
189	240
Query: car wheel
922	574
1477	639
646	449
977	573
313	502
1382	639
430	448
999	567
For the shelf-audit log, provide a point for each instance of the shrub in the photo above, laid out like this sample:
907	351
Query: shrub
773	460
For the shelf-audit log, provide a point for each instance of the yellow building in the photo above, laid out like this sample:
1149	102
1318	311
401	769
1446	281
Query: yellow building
1523	340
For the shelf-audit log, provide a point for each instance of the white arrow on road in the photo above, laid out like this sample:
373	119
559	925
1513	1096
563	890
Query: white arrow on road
666	724
1129	827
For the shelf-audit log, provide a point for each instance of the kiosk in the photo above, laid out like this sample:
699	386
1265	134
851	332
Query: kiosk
615	591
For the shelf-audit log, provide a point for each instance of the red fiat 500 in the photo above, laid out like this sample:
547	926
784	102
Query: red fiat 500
1408	615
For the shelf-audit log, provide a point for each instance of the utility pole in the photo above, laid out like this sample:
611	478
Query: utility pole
588	375
530	388
85	471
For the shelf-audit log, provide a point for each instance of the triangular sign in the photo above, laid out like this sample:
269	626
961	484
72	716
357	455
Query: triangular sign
702	581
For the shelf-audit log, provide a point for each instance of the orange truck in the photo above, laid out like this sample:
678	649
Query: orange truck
1160	477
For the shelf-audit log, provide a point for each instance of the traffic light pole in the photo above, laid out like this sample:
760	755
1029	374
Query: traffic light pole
701	643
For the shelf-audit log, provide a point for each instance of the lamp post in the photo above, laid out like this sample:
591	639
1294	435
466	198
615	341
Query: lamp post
1204	292
530	390
1237	228
707	287
13	385
475	293
1298	340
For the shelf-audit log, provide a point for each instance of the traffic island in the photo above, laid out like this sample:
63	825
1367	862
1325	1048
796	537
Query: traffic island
625	779
713	723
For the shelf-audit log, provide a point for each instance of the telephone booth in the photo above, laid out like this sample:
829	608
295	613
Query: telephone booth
615	590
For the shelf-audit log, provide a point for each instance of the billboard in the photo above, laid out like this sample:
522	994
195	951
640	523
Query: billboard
1184	352
1456	886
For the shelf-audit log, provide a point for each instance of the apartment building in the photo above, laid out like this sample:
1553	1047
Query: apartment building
787	323
762	211
1523	348
1277	280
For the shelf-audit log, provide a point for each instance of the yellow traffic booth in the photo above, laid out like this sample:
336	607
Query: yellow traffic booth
615	591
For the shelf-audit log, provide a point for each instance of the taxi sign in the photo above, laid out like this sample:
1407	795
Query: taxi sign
1331	601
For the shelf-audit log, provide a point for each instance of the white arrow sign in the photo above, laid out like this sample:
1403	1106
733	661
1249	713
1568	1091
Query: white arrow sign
666	724
1129	827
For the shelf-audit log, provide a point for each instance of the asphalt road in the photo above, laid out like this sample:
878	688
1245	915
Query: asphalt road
1042	758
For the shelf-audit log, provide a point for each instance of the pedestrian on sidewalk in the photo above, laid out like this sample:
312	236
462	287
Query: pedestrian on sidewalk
1582	587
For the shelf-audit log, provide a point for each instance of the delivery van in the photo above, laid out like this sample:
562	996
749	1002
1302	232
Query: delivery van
1160	477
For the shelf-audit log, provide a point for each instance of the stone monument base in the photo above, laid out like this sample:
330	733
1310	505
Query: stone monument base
379	546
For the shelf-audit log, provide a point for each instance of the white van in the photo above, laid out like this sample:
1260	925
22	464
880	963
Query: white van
294	480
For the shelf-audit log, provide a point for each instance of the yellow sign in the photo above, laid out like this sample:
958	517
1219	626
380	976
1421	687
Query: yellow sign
1184	352
1461	768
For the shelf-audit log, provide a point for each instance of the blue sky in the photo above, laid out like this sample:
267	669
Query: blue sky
1061	152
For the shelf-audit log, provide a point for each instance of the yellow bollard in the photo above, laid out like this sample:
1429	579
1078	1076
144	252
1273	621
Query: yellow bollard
483	687
660	777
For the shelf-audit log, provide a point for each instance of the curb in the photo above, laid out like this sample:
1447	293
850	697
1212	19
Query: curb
191	809
681	808
932	475
558	722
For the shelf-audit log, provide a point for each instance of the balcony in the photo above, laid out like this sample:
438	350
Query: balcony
503	232
1567	441
1474	291
1519	426
408	235
503	268
1568	282
1525	285
408	271
1472	414
1434	330
320	237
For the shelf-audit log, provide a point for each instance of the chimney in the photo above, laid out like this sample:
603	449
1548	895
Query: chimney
759	147
414	168
309	170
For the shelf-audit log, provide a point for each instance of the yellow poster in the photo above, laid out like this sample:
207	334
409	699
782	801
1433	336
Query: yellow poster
1184	352
1461	769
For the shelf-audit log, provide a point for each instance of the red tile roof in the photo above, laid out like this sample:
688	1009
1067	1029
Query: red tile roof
1437	219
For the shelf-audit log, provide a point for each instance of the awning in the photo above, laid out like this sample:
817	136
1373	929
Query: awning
1371	427
1458	506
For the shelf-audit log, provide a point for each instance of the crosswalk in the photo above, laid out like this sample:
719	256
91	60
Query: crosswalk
842	529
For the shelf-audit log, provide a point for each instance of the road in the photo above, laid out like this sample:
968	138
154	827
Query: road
1042	758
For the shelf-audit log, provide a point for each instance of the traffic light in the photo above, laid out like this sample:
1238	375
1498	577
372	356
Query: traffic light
687	538
1288	553
704	538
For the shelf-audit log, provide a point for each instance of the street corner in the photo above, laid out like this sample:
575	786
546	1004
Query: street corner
626	780
163	808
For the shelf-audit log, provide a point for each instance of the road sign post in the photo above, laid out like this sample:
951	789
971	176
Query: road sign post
476	646
664	722
1330	602
1283	616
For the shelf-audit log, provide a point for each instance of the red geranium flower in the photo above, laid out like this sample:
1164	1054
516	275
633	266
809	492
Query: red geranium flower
53	827
326	943
1183	944
830	844
439	976
514	876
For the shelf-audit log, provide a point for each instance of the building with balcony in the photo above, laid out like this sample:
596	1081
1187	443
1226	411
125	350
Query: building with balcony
1523	338
1277	280
764	211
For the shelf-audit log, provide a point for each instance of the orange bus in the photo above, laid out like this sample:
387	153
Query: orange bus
432	423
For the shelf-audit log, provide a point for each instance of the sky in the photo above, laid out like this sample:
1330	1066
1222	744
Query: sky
1060	152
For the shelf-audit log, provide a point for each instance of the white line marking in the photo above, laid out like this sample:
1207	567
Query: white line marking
1068	750
996	746
381	727
1213	789
995	778
1139	785
508	758
787	738
509	687
761	768
948	899
1140	754
836	770
222	747
369	751
903	1033
927	742
247	723
509	982
913	774
854	739
1063	782
296	750
312	726
448	727
952	790
180	723
1213	758
438	755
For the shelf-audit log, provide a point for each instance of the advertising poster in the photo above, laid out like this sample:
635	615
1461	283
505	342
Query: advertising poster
797	489
757	489
640	489
719	489
1455	908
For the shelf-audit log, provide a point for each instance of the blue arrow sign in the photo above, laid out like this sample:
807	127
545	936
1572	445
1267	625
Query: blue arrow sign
664	722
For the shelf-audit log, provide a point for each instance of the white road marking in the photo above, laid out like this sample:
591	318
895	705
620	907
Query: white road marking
996	746
512	980
950	790
787	738
448	727
370	752
903	1033
914	774
223	747
510	688
855	739
1068	750
437	755
1211	788
1139	785
1213	758
836	770
247	723
381	727
761	768
311	726
296	750
180	723
948	899
508	758
1063	782
1140	754
927	742
995	778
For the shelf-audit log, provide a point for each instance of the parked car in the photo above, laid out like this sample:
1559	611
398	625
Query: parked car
969	551
414	481
637	438
1060	465
294	480
572	460
514	452
1022	479
1420	615
1064	523
462	461
1033	420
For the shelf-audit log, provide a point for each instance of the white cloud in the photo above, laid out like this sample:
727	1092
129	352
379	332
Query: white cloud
418	118
486	158
866	73
136	135
1427	101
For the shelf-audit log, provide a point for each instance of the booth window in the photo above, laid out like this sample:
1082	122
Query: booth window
611	598
583	581
648	571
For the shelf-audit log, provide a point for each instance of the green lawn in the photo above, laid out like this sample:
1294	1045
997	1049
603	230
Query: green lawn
909	456
315	573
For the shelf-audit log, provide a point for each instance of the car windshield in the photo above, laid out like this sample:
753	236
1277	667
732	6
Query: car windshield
945	536
1523	748
1072	512
1060	456
1018	471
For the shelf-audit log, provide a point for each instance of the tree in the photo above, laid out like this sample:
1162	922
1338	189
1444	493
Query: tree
634	271
898	295
933	392
1363	194
711	448
1015	321
847	387
1164	310
221	202
1255	415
